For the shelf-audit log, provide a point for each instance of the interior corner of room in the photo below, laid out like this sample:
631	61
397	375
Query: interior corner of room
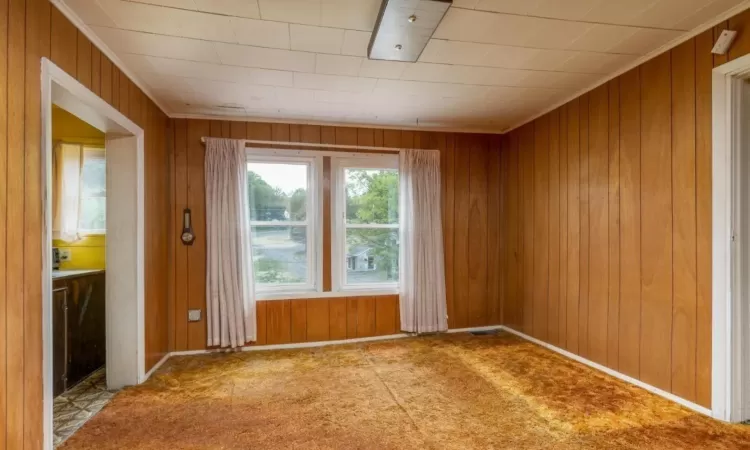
436	224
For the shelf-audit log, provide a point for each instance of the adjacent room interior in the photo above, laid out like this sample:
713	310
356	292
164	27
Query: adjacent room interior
374	224
79	198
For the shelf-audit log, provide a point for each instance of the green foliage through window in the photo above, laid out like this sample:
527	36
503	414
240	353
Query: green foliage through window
372	199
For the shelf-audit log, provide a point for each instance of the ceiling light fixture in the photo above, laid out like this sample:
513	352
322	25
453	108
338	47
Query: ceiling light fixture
398	36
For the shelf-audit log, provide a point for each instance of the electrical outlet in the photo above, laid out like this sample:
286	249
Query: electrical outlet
194	315
65	255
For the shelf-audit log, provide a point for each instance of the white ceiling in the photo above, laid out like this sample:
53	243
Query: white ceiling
489	65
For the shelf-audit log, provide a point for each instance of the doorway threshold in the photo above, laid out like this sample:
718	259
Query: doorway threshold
76	406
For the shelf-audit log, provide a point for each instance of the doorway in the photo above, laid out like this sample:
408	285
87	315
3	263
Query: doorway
731	241
79	228
94	311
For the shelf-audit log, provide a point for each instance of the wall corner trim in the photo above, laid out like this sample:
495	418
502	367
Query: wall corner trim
156	367
638	62
654	390
83	28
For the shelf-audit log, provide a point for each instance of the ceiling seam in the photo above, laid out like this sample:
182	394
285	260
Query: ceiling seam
366	77
605	77
589	22
597	52
213	13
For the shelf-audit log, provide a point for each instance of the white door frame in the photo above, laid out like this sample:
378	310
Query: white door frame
730	391
125	337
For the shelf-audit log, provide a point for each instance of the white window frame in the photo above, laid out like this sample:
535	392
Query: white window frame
84	231
313	223
339	225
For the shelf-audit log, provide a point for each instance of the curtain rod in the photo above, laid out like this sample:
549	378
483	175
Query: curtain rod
308	144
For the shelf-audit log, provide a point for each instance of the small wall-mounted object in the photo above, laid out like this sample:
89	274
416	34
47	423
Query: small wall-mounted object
65	255
188	237
726	38
194	315
404	27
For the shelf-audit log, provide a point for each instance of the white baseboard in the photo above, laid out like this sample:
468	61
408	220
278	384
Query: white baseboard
614	373
156	367
573	356
255	348
469	330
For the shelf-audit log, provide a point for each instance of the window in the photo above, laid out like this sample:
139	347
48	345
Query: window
286	219
282	220
366	231
93	202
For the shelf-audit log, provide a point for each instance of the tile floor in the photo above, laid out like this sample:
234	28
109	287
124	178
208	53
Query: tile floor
77	405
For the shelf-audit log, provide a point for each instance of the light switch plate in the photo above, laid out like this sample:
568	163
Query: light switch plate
194	315
65	254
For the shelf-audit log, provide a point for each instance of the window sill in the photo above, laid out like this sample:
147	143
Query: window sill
270	296
92	233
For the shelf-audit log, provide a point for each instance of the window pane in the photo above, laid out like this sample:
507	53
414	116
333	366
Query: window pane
279	255
93	177
371	255
93	191
371	196
93	213
278	191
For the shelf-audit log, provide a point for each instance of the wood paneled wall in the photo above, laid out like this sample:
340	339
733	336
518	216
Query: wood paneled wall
30	30
590	229
471	195
606	220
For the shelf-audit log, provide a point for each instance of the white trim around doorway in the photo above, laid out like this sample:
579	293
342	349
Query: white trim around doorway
58	87
730	391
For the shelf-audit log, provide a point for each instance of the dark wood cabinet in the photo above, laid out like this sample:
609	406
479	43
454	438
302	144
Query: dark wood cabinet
78	328
59	337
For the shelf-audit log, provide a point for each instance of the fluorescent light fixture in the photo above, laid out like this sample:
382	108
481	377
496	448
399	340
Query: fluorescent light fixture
404	27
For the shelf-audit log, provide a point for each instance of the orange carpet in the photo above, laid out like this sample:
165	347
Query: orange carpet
442	392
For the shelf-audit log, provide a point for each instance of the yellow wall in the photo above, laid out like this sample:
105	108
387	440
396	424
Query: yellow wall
69	128
88	253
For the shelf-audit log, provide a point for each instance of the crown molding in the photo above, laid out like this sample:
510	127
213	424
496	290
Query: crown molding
78	23
648	56
89	33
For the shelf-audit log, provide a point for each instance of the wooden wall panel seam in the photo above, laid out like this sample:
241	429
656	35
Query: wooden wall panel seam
613	331
4	50
704	215
684	219
32	256
636	190
15	330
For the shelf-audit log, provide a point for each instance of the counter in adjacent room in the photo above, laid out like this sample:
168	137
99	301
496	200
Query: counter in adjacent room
78	325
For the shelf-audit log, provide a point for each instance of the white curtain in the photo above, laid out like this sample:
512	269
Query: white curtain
229	271
422	277
66	201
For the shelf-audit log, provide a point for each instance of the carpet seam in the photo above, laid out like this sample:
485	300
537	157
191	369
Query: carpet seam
393	396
